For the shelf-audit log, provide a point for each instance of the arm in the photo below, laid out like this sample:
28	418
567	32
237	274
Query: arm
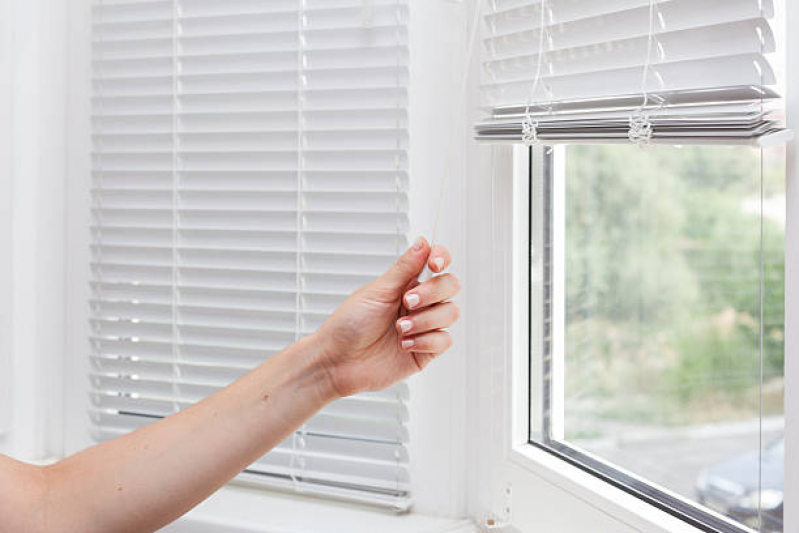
383	333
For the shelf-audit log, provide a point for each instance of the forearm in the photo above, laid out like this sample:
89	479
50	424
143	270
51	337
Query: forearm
386	331
148	478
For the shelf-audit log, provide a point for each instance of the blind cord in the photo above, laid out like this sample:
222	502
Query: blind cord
529	123
100	219
176	371
640	121
298	440
458	109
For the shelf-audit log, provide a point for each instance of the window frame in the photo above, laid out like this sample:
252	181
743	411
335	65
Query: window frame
550	176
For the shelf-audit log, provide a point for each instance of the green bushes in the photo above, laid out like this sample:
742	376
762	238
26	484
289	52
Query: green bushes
663	280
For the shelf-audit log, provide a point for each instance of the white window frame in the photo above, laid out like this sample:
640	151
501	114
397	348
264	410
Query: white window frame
791	481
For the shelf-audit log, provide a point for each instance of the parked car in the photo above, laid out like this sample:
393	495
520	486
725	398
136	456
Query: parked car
731	487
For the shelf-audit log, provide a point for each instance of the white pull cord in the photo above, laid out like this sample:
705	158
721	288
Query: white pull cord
530	124
426	273
640	132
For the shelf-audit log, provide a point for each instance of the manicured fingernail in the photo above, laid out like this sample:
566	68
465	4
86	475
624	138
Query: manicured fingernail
418	245
439	262
406	325
407	343
411	301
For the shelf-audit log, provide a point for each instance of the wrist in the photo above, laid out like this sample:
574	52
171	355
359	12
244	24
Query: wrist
320	365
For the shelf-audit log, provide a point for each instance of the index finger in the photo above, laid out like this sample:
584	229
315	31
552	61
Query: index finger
439	259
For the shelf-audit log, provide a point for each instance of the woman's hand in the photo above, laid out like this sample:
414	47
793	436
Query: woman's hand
392	327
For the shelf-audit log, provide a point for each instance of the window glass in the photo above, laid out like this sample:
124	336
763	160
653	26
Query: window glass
663	285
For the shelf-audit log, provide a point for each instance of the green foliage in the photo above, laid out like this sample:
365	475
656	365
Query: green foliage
663	270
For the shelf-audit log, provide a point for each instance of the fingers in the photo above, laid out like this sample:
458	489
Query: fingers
437	317
439	259
433	291
407	267
432	342
421	331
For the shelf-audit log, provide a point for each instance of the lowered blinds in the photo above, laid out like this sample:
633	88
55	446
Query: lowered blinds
697	70
250	171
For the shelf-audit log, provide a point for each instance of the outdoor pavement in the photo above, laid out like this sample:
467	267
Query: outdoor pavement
673	457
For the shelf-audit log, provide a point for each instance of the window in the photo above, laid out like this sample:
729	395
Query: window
249	171
657	324
655	310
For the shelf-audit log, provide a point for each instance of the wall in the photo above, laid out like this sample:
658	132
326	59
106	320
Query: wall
6	242
33	211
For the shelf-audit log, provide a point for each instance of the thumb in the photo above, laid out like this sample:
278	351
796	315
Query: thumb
407	267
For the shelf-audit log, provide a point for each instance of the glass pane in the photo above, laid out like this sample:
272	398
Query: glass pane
656	346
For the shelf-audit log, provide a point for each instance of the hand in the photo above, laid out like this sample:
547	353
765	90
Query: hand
392	327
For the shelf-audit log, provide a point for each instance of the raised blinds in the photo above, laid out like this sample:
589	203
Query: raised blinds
250	171
703	64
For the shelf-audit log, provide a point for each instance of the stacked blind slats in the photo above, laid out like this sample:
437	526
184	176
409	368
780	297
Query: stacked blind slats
250	171
710	62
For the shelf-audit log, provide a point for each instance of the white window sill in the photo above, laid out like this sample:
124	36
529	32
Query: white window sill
624	507
238	509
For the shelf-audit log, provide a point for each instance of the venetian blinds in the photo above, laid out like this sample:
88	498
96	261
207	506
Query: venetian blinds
687	71
250	171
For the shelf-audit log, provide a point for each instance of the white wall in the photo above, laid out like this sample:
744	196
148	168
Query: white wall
32	214
6	148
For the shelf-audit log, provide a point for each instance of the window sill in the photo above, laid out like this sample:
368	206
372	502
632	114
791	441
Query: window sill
606	498
239	509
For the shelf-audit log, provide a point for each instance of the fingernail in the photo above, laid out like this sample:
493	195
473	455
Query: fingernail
418	245
412	300
407	343
406	326
439	262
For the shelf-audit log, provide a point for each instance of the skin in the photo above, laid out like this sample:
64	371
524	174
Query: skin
148	478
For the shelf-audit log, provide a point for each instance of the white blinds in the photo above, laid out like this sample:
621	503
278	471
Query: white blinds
250	171
703	63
